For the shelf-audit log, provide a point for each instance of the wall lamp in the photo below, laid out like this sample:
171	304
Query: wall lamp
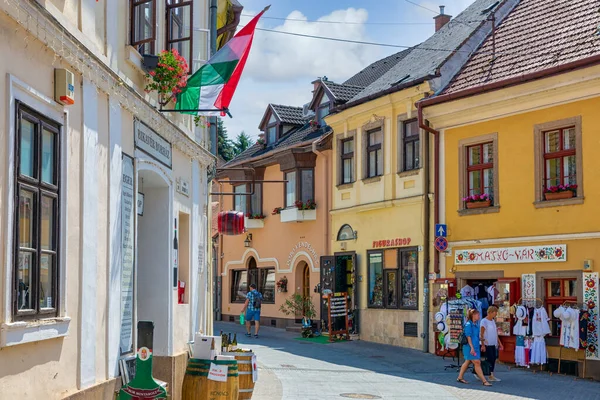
248	240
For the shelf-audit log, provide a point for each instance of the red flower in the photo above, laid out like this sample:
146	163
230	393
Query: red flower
591	327
590	283
558	253
460	257
592	348
591	305
472	256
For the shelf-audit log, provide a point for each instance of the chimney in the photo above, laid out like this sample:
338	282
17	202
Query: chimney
442	19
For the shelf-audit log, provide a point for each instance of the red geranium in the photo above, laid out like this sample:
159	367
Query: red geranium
169	77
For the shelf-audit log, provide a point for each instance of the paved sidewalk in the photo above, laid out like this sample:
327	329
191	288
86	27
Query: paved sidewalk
295	370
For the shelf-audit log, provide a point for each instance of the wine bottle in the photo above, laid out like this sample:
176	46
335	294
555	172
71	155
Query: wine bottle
224	343
229	343
234	343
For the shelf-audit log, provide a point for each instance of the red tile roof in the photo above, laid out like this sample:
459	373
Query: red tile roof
537	35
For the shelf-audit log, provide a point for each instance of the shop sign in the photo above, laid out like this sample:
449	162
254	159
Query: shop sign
391	243
306	247
183	187
153	144
127	247
512	255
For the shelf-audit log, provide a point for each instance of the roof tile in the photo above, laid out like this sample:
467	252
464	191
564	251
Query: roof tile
289	114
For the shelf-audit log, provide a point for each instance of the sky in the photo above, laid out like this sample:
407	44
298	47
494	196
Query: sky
280	68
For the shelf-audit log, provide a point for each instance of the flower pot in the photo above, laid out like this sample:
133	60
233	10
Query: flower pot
254	223
479	204
294	215
567	194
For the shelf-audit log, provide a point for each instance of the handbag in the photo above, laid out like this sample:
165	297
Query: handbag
463	339
485	367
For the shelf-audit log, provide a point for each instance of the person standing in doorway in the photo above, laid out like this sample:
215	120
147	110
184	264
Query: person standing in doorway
252	309
471	350
491	341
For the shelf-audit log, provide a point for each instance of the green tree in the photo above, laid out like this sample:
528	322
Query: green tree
224	146
242	142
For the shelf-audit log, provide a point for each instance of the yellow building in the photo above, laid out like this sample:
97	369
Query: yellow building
517	128
382	198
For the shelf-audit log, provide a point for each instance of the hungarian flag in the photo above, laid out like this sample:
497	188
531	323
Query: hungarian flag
211	87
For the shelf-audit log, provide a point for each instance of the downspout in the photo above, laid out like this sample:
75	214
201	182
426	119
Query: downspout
426	241
327	197
220	255
213	49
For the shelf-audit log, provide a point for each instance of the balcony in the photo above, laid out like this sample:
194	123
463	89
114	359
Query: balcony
295	215
254	223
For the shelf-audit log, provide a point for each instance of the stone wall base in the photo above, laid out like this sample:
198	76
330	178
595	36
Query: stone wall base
171	369
103	391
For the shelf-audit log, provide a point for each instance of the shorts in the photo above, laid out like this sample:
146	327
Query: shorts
253	315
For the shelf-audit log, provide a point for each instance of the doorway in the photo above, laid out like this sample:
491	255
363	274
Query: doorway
154	267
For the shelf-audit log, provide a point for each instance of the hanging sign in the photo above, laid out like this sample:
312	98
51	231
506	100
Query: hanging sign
254	369
153	144
127	224
512	255
218	373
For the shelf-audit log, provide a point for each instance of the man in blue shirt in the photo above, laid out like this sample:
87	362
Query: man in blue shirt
252	308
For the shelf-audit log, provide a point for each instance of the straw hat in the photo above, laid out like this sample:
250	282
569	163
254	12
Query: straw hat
439	317
569	315
521	312
449	344
442	327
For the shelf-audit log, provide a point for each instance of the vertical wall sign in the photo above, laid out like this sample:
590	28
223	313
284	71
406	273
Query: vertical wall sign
127	224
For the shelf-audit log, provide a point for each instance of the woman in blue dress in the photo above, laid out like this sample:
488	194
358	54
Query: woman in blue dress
472	350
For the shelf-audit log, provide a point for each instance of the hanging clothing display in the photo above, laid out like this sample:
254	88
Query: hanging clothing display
520	352
538	351
531	327
584	320
539	322
467	291
569	328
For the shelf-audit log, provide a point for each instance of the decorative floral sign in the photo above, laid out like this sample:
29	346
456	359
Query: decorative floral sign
512	255
590	297
528	286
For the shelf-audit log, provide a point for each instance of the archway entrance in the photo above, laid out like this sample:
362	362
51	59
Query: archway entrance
306	283
154	267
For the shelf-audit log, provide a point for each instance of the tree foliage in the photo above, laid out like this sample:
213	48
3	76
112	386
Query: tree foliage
224	146
242	142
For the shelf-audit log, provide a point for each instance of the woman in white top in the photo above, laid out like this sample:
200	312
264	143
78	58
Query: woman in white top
490	342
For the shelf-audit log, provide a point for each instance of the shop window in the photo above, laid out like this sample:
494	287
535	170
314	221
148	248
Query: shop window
393	278
239	285
558	147
347	161
411	146
36	210
248	204
558	291
266	284
302	189
374	161
142	14
478	172
179	28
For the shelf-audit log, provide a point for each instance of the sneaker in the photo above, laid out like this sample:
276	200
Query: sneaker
476	377
248	335
255	336
494	379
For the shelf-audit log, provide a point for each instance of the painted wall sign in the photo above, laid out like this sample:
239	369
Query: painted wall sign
127	224
303	246
153	144
512	255
183	186
391	242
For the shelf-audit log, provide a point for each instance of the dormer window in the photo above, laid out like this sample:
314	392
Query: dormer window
271	130
323	109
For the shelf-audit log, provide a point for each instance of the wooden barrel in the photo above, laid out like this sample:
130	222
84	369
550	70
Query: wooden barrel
231	223
244	360
197	386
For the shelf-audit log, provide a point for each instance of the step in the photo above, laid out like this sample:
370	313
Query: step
294	328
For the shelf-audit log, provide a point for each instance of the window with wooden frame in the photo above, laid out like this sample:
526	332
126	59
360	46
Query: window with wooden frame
347	161
559	148
480	169
37	226
263	278
558	291
393	278
266	284
239	285
179	28
246	203
323	109
142	14
411	145
374	152
300	186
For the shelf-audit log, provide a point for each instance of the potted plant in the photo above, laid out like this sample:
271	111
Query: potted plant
282	285
560	192
314	125
478	201
301	211
309	205
254	221
276	211
169	76
299	305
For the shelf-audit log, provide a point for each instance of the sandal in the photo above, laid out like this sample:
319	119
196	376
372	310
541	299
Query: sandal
487	383
462	381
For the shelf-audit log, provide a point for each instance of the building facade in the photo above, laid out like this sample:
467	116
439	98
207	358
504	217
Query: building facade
94	195
523	132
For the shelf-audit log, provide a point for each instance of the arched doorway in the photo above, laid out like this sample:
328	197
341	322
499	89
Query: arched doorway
306	283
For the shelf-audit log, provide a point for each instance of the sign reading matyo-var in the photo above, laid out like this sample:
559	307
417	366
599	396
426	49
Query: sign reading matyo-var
512	255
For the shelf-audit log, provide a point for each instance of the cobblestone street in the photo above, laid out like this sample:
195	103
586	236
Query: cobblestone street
290	369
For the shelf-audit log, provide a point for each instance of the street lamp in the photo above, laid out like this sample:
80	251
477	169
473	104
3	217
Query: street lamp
248	240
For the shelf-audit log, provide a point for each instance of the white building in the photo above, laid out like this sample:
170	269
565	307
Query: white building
80	267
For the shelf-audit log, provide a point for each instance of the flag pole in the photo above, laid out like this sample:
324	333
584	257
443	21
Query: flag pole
225	110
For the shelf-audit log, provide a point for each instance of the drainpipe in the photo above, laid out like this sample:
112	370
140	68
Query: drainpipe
327	205
426	241
436	207
220	256
213	50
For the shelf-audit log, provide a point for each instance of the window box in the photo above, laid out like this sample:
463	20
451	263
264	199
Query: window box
479	204
559	195
295	215
254	223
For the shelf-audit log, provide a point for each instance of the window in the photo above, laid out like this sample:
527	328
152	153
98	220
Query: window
248	204
347	163
558	290
143	25
480	169
374	153
478	172
411	146
239	286
302	189
560	167
393	278
37	225
323	110
179	24
559	148
263	278
266	284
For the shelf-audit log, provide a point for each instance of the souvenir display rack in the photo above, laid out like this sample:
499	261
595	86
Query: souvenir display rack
581	307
